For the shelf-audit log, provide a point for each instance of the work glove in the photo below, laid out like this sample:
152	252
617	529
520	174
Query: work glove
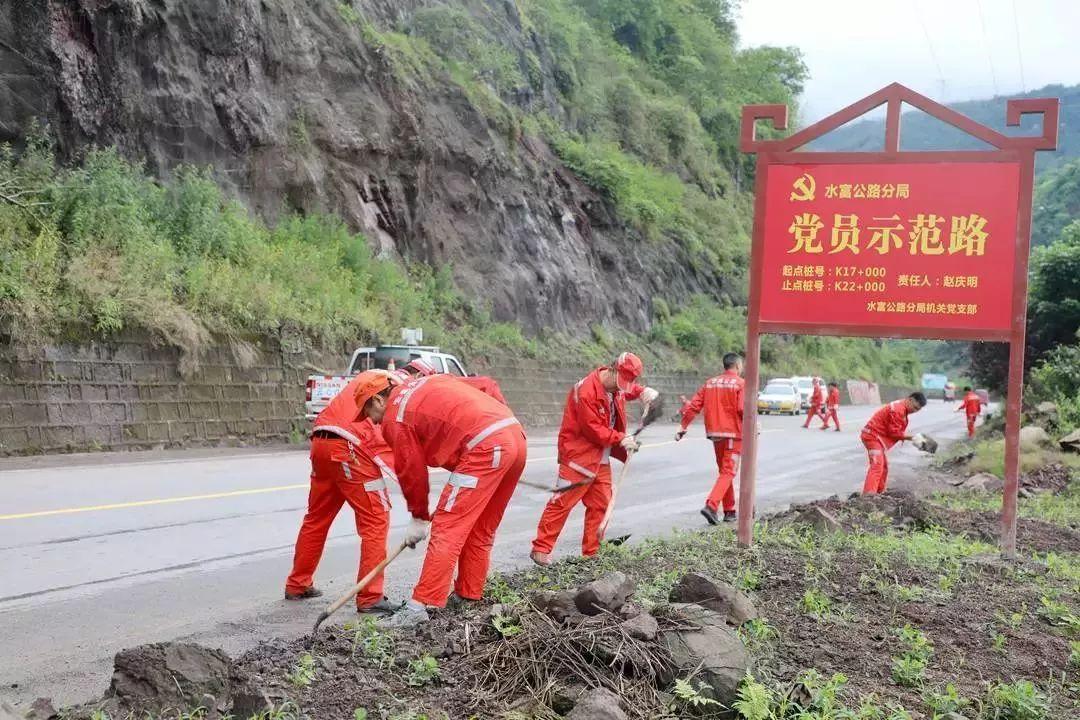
417	531
630	444
648	395
680	435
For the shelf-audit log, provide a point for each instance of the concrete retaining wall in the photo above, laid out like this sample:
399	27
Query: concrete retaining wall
131	393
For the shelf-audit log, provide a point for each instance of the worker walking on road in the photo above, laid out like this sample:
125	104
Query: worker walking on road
350	463
832	406
722	399
439	421
885	428
593	431
816	400
973	405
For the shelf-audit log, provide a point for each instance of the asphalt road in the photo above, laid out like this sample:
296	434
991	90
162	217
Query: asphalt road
98	553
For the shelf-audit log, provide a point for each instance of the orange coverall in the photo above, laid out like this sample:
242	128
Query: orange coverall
815	405
350	463
593	425
885	428
439	421
722	399
832	405
972	405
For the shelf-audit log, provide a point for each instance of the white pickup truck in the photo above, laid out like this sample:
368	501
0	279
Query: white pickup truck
321	389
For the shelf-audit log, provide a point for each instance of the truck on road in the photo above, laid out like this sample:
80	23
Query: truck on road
321	389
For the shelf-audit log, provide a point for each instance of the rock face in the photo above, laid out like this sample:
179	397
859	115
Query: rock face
1071	442
820	519
294	108
607	593
713	649
598	704
642	626
558	605
714	595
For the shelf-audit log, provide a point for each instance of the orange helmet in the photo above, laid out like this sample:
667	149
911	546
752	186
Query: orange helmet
371	383
628	368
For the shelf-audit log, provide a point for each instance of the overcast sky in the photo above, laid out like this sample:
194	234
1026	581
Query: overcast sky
936	47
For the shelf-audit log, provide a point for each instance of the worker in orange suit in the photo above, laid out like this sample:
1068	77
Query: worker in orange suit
439	421
885	428
487	385
593	431
722	399
816	400
973	406
832	407
350	463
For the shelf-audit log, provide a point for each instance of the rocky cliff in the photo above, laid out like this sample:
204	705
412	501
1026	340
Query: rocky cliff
296	109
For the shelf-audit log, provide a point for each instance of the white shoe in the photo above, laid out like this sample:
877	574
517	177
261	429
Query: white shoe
408	616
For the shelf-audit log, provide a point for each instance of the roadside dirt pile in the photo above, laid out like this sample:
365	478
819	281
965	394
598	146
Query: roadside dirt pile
588	653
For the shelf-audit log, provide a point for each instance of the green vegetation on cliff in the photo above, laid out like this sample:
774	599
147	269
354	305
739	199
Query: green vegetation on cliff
640	99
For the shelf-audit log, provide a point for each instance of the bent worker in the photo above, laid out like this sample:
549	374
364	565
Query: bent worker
722	399
350	463
973	405
487	385
816	399
439	421
832	406
593	431
885	428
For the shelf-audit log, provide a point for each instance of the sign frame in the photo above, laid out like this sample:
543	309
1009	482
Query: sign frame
785	151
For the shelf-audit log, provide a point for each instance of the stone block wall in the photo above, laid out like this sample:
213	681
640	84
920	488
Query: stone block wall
131	393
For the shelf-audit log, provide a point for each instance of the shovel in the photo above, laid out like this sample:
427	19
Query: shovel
360	585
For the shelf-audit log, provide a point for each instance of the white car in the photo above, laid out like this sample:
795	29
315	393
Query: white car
779	396
805	386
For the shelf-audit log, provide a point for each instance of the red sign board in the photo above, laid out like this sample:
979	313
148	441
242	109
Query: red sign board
892	245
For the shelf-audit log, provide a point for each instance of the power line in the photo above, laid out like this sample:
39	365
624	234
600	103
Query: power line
930	45
1019	54
986	45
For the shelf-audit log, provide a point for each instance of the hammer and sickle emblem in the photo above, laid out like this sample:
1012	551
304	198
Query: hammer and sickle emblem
803	188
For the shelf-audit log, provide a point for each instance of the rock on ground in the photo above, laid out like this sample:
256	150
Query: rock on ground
642	627
558	605
714	595
983	481
598	704
607	593
180	676
713	651
1033	436
1071	442
820	519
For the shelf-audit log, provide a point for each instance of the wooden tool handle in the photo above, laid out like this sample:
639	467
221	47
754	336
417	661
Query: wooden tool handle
614	494
363	582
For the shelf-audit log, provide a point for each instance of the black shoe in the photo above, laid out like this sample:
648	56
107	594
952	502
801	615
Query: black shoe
710	515
311	592
729	516
383	607
456	602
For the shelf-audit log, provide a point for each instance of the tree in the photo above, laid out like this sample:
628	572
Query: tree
1054	313
1056	202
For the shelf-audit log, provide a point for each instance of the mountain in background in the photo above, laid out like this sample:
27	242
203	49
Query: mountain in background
920	132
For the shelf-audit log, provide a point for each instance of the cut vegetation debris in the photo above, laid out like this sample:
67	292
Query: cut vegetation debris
896	607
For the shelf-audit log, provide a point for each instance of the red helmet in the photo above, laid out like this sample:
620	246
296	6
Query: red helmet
628	368
422	367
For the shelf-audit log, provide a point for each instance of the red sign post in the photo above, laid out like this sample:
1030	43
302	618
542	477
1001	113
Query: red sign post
893	244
